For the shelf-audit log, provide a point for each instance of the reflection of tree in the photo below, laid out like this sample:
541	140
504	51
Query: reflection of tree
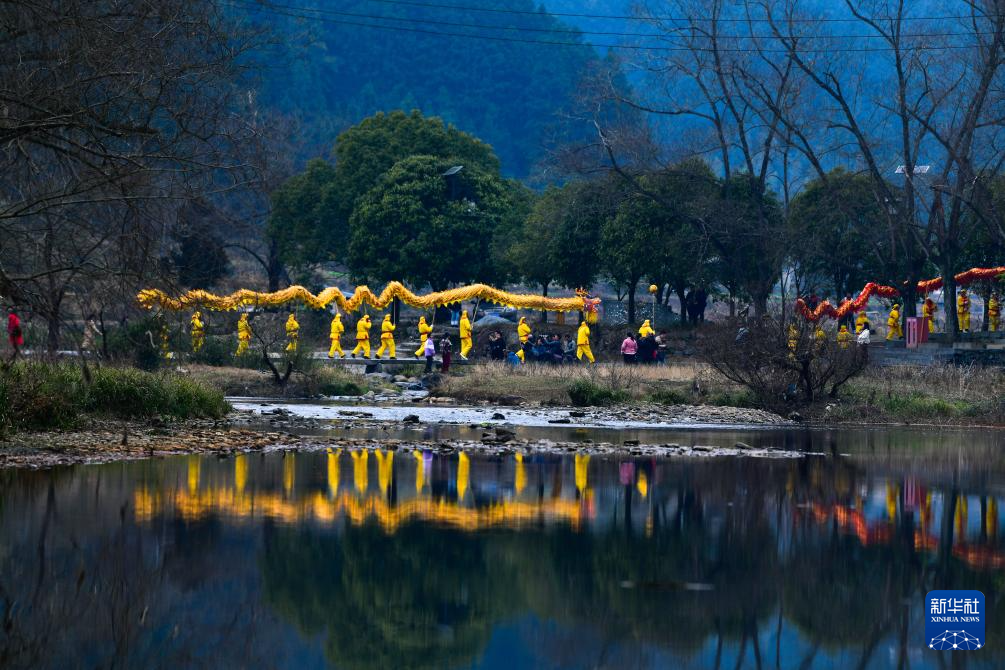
421	598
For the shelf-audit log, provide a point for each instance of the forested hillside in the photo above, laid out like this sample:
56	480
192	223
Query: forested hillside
331	71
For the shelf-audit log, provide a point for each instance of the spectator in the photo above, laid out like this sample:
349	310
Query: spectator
429	351
497	346
446	348
568	348
14	333
528	350
555	353
91	330
647	350
629	348
700	305
865	337
662	346
513	359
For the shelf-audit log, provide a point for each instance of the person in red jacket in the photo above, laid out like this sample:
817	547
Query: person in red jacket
14	334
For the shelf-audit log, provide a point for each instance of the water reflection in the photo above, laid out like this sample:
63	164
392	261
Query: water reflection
417	559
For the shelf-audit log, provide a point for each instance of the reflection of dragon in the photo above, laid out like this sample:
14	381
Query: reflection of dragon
858	304
363	295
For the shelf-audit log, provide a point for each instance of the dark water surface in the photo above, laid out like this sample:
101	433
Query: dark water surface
417	560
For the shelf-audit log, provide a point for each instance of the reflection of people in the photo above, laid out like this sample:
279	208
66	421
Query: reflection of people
583	343
523	332
893	329
292	333
362	337
335	335
198	331
424	331
465	330
928	309
963	310
386	338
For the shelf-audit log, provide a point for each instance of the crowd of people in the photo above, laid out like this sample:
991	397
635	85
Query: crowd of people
646	347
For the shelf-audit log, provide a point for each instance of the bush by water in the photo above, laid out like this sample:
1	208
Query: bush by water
38	396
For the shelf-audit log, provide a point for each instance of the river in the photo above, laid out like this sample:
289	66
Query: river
421	559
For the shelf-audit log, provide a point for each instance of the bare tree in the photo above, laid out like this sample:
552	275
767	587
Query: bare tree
112	113
924	104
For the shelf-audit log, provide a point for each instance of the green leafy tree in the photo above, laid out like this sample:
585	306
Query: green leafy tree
307	224
311	211
836	225
366	151
509	234
586	207
417	226
747	237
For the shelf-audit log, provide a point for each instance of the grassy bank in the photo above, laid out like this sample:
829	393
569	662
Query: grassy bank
43	396
939	395
316	380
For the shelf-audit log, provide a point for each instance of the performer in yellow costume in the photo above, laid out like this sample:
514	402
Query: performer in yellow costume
994	311
963	310
928	309
893	328
844	337
292	333
793	339
362	337
583	343
243	335
523	332
645	329
386	338
335	335
424	331
465	327
860	322
198	331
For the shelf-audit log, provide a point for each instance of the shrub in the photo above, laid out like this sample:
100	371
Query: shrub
781	364
585	393
36	395
336	382
669	396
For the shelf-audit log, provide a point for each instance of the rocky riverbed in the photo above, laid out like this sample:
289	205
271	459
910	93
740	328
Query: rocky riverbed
642	415
275	426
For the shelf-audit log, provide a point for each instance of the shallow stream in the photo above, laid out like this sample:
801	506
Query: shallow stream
414	559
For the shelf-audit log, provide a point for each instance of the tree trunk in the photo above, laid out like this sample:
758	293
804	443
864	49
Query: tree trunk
986	297
275	268
949	303
760	304
682	296
544	292
631	299
52	337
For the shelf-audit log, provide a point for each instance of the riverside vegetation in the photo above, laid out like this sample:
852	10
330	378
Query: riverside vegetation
947	394
42	396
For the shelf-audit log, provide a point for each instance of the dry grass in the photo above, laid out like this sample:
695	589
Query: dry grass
549	384
940	394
